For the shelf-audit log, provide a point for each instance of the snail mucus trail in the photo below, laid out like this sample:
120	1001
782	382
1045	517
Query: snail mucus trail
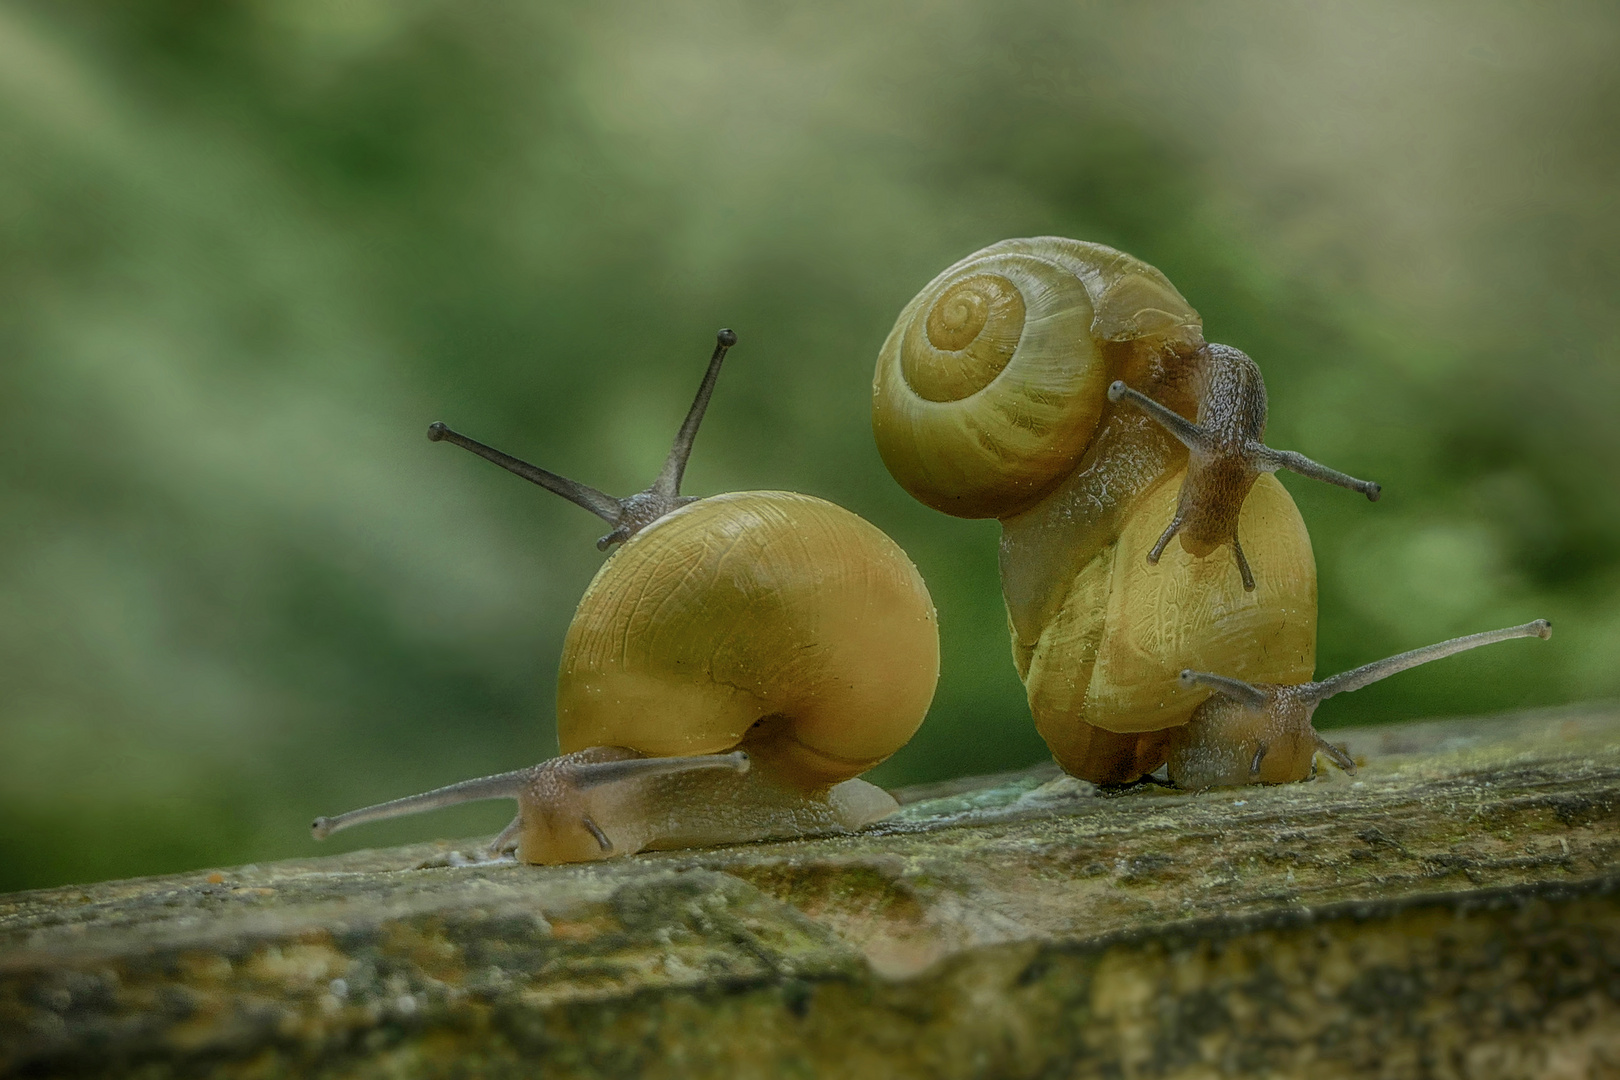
729	672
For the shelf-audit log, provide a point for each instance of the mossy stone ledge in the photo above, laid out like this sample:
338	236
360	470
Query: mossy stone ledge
1453	910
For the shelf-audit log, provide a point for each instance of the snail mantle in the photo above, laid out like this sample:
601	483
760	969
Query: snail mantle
1452	910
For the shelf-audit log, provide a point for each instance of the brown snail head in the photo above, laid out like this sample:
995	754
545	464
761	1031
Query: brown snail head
1262	733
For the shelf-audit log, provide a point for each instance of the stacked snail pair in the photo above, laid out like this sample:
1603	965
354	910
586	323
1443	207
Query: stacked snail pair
742	659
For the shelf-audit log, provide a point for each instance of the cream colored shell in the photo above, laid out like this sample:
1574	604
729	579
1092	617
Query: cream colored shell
747	607
991	382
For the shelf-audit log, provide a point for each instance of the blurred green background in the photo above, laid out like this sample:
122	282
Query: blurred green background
250	248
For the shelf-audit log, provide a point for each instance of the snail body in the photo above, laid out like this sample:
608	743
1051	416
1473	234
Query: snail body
730	671
1066	389
1247	734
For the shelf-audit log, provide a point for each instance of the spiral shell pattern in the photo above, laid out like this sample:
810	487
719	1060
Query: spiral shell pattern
991	383
748	607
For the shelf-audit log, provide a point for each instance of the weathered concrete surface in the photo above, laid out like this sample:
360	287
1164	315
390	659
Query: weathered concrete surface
1454	910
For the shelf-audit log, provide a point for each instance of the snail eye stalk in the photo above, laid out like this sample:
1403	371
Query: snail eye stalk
600	503
1367	674
633	513
598	773
501	786
1236	689
668	483
1270	460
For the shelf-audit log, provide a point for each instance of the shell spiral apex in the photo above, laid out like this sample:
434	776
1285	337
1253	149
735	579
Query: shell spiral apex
993	378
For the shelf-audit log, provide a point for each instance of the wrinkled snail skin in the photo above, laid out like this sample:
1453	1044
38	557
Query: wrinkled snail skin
729	672
1066	389
1262	733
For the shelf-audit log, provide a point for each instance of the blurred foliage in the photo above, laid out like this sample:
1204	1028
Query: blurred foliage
249	249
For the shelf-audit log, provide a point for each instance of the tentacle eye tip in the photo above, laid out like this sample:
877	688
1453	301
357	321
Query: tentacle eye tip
437	430
1373	491
726	337
1543	628
320	828
1116	390
1187	678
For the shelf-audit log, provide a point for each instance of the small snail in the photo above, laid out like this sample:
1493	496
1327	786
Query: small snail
1066	388
731	669
1262	733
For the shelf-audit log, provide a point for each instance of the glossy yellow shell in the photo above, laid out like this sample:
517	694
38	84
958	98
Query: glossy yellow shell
1127	628
762	607
990	385
989	399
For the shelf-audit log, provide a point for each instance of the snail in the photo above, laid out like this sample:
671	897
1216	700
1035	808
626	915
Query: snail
730	671
1262	733
1066	389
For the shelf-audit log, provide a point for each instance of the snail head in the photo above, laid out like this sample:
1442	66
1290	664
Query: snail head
1225	454
1262	733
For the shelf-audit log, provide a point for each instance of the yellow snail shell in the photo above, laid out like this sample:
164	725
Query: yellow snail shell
759	607
991	399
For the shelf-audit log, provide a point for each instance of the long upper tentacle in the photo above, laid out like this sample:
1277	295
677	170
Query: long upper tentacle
1192	436
600	503
500	786
635	512
1268	460
1356	678
668	483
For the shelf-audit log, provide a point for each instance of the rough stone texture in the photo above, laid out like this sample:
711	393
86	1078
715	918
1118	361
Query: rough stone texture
1452	911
